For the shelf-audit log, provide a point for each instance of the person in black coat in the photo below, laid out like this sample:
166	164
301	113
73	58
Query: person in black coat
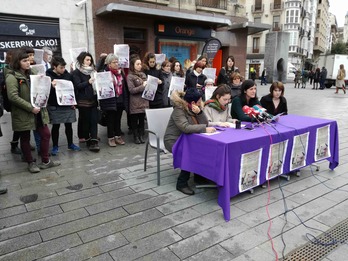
275	102
226	72
196	79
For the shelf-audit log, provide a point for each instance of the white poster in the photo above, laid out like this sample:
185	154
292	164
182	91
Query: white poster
210	73
276	159
209	92
176	84
104	84
250	165
150	88
40	88
65	93
299	151
38	69
160	58
74	52
122	52
322	143
38	56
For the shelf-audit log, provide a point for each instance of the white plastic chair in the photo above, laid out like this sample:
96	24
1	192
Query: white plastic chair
157	121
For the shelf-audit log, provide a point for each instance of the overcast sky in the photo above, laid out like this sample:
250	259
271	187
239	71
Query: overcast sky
340	9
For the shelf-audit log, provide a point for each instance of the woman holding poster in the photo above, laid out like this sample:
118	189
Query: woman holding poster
24	116
115	106
196	79
136	81
59	113
86	98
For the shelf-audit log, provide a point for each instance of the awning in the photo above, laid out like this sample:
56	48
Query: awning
253	28
145	11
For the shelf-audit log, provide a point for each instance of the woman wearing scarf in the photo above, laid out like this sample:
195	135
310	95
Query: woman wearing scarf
167	77
86	98
114	106
196	79
216	109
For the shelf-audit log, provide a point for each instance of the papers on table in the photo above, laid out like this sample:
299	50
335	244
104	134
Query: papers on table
40	88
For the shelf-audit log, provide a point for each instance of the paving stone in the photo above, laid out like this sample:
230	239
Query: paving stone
216	251
309	194
337	195
42	223
153	184
333	215
103	257
12	211
15	244
256	254
117	225
160	255
83	223
339	253
145	246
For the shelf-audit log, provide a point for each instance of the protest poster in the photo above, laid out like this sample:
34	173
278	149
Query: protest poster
40	88
299	151
250	165
74	52
104	85
276	159
38	56
208	91
322	143
210	73
122	52
160	58
65	93
150	88
38	69
176	84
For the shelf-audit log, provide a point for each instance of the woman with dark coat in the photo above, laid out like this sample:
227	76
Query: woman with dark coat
316	79
167	77
226	72
115	106
275	102
86	98
196	79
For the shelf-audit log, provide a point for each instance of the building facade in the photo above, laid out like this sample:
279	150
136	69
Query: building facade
322	30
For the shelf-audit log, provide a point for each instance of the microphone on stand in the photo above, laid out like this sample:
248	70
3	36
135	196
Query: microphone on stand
251	112
262	112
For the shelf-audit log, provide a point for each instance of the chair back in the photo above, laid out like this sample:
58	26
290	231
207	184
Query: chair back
157	121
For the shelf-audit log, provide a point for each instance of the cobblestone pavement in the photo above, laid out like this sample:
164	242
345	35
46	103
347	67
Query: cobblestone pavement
103	206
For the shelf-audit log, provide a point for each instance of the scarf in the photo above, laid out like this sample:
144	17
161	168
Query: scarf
117	77
215	105
86	70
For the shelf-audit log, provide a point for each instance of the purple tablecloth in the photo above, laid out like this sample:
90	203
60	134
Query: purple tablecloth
218	157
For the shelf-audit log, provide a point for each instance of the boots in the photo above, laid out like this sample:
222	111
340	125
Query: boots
93	145
14	148
141	136
136	137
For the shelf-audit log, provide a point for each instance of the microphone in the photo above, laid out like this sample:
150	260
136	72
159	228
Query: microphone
262	111
251	112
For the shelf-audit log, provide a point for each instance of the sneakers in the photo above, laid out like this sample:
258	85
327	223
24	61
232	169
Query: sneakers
112	142
73	147
33	168
49	164
54	151
119	140
82	140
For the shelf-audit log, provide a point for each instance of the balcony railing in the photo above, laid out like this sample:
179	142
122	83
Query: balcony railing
257	8
277	28
218	4
277	6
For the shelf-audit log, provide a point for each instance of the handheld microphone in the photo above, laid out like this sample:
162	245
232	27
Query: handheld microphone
251	112
262	111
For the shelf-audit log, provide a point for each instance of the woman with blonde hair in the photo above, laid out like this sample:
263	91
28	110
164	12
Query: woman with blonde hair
340	83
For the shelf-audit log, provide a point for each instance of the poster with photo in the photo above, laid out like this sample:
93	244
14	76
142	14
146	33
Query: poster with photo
210	73
249	175
322	143
299	151
74	52
150	88
65	93
122	52
276	159
39	90
104	85
208	91
38	56
160	58
176	84
38	69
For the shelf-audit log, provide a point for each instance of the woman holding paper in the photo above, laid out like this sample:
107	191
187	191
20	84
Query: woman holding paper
167	77
86	98
59	113
115	106
196	79
136	82
176	69
25	117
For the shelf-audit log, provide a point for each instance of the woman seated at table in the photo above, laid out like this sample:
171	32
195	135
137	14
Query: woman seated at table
247	97
275	102
187	117
216	108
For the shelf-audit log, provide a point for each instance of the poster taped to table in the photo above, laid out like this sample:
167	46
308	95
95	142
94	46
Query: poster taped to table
299	151
74	52
276	159
176	84
38	69
38	56
322	143
104	85
209	92
65	93
122	52
150	88
210	73
250	166
40	88
160	58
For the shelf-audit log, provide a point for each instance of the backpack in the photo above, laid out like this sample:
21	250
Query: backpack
6	101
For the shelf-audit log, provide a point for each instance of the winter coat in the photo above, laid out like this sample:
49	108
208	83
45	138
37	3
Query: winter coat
237	111
235	90
158	100
85	94
224	76
267	103
216	117
167	77
192	80
181	121
135	86
52	100
18	91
